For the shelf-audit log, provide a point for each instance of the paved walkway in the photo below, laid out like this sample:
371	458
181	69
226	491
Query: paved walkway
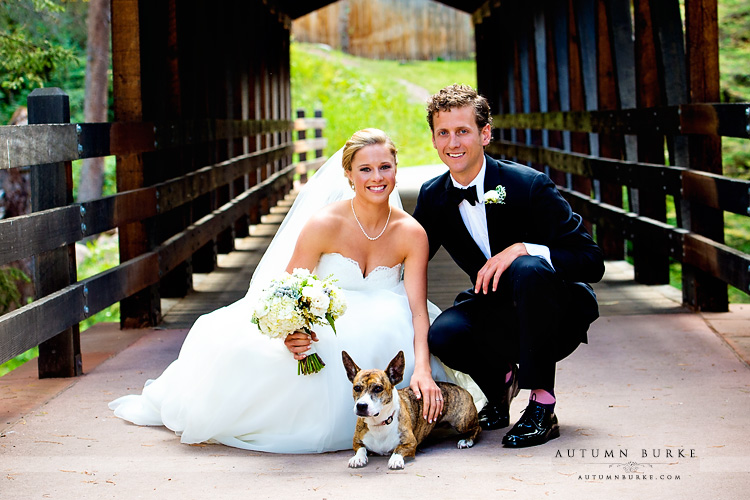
656	406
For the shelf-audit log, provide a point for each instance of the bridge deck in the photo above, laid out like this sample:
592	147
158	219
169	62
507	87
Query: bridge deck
654	377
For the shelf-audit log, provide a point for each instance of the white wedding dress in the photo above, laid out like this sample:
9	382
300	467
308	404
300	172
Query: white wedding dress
235	386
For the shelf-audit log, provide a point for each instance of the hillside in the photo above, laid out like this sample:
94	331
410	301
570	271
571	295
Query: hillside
356	93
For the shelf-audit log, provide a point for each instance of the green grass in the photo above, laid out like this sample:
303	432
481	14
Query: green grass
19	360
102	254
734	54
356	93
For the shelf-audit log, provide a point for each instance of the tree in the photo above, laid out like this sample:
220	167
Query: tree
97	85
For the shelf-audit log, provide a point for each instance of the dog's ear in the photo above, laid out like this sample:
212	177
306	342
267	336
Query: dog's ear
395	368
350	366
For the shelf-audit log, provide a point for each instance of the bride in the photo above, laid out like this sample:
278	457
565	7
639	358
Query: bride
235	386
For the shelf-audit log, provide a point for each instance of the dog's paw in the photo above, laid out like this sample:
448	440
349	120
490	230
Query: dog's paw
359	459
396	462
465	443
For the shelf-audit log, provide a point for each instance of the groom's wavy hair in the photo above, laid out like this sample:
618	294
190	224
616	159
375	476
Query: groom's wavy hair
363	138
459	96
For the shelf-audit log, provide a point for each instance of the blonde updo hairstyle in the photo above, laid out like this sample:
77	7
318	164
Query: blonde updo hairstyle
363	138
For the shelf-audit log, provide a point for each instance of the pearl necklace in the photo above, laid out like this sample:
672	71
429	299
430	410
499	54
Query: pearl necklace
363	229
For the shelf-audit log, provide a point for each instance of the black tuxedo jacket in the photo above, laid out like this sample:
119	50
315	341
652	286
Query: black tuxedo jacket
534	212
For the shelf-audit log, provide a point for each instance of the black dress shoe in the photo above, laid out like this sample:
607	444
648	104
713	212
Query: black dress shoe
490	417
537	426
496	416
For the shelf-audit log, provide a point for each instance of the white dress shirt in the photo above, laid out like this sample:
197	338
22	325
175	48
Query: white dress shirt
475	219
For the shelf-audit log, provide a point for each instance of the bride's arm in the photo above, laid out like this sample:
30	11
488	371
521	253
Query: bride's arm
415	282
307	251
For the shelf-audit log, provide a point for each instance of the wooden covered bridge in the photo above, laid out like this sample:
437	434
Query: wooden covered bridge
617	100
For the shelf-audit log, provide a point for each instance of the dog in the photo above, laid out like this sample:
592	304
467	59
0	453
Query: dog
391	421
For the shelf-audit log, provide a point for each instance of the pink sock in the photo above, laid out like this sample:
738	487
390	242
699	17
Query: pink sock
542	397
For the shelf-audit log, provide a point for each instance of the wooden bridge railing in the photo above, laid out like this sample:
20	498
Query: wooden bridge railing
257	180
619	101
692	187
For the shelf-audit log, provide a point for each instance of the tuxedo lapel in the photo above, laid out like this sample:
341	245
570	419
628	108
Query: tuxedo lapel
493	211
454	224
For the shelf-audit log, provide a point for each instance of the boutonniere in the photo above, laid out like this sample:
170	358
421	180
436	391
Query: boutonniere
494	196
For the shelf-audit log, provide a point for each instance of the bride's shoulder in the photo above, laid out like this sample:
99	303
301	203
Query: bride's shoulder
329	217
408	223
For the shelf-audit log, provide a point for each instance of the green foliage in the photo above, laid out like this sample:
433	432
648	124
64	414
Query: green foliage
42	43
14	363
110	176
26	64
101	254
10	296
355	93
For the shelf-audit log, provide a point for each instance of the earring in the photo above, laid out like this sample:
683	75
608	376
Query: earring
351	185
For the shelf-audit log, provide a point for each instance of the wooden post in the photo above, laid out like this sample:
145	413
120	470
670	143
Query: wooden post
579	141
651	267
610	145
700	290
318	132
301	136
554	137
144	308
52	187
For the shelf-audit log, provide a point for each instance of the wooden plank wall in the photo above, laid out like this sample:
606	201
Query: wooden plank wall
204	148
390	29
613	98
199	65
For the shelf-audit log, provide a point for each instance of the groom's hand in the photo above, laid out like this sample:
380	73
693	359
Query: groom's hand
299	342
496	266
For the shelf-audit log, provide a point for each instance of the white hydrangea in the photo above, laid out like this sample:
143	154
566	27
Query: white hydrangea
295	301
337	306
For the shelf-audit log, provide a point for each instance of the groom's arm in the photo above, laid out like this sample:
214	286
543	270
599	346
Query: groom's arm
422	213
573	252
556	234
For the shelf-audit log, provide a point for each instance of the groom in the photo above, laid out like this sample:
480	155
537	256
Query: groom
528	255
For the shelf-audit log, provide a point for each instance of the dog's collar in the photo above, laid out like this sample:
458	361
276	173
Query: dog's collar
388	420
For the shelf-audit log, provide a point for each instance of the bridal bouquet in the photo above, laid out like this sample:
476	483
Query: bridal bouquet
295	302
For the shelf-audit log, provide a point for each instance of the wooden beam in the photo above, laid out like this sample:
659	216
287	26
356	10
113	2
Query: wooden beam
143	308
702	290
610	145
52	187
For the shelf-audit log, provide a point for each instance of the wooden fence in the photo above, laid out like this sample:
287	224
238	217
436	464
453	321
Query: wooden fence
255	181
623	115
390	29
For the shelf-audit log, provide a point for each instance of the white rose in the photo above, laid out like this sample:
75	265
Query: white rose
491	197
317	298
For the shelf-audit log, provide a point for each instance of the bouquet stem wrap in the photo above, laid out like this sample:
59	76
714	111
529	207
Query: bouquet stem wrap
312	362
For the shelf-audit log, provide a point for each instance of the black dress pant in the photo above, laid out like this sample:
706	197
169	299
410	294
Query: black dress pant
522	322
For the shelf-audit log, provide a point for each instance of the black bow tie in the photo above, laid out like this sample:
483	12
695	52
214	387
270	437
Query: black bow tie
459	194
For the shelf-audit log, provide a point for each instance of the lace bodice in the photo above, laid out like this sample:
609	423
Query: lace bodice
349	274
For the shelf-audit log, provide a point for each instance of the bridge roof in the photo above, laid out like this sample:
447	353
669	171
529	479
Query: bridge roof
299	8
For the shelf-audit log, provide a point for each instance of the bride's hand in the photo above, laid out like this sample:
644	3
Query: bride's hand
299	342
426	389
